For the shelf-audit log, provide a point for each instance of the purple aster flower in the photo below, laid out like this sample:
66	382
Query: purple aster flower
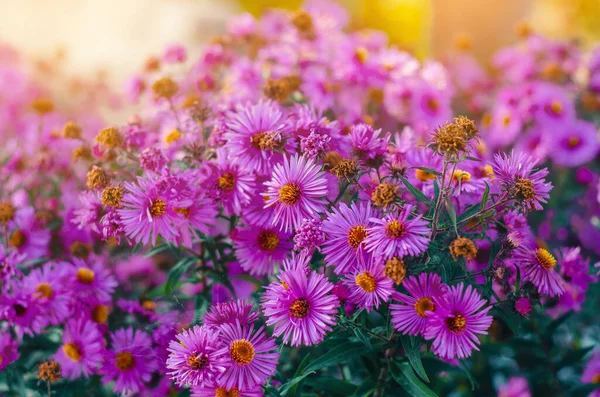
230	184
538	266
309	236
8	266
152	159
23	312
346	229
175	53
260	250
396	235
429	106
459	316
518	179
88	212
411	317
296	190
193	357
8	350
366	143
591	373
574	144
220	391
257	135
200	216
523	306
130	362
112	225
91	282
82	350
315	144
551	106
515	387
232	312
250	357
368	285
47	285
27	237
300	306
255	213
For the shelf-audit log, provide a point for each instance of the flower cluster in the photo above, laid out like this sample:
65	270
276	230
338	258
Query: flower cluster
300	189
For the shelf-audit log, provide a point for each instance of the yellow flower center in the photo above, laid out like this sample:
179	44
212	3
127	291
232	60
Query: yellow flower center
197	362
366	281
85	275
44	290
356	235
300	308
125	361
556	107
72	351
545	259
574	141
112	196
157	208
424	305
226	182
488	170
79	249
457	323
362	54
524	189
395	229
149	305
183	211
433	104
266	140
395	270
424	176
595	378
100	314
17	239
172	136
462	176
506	121
7	212
289	193
268	240
241	352
222	392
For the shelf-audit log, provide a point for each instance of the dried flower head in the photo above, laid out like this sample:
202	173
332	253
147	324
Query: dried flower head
395	269
72	130
42	105
332	159
464	247
384	195
97	178
49	371
280	89
112	196
82	152
110	138
303	22
467	125
164	88
80	250
449	140
345	169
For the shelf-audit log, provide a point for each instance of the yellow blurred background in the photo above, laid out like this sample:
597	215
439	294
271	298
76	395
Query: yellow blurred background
114	37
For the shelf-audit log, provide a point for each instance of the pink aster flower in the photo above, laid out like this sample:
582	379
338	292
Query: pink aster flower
296	190
232	312
538	266
82	350
200	216
218	391
175	53
397	235
22	311
257	135
523	306
412	315
574	144
193	359
27	237
346	229
91	281
519	180
152	159
367	143
368	285
300	306
591	373
48	286
8	350
230	185
130	361
260	250
460	315
250	357
315	144
515	387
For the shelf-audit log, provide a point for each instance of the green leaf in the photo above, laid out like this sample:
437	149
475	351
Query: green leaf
177	271
137	247
339	353
367	387
270	391
403	373
574	357
429	170
361	336
156	250
416	192
473	382
412	347
554	324
332	387
484	199
452	213
286	387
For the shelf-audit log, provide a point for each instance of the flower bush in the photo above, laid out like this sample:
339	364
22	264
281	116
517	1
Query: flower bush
306	210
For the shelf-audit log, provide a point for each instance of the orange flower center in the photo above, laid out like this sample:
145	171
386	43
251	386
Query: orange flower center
424	305
268	241
356	235
545	259
125	361
457	323
197	362
241	352
395	229
157	208
300	308
85	275
289	194
366	281
226	182
72	351
17	239
44	290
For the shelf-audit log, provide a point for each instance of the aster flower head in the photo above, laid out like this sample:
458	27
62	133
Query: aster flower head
8	350
193	359
369	286
346	230
516	386
538	266
130	361
82	349
412	315
250	356
366	142
296	190
26	236
231	312
220	391
397	235
91	282
49	287
574	144
591	373
315	144
520	181
261	250
309	236
300	306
